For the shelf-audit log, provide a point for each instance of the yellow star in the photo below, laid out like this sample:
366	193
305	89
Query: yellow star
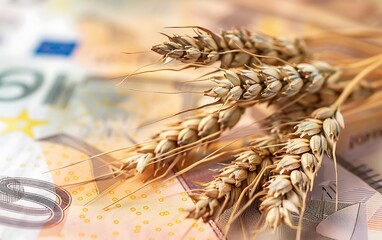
22	123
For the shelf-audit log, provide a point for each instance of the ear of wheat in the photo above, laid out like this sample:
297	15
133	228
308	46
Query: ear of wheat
224	191
266	82
180	138
227	47
297	165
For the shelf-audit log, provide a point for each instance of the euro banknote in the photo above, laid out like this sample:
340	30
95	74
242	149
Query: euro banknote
53	117
59	107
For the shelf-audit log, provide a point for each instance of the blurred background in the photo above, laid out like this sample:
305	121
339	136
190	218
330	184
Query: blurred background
93	34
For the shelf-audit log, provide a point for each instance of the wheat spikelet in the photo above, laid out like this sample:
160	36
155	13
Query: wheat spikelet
227	47
267	82
299	162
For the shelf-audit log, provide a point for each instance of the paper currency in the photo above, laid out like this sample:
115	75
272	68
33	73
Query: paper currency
54	117
56	109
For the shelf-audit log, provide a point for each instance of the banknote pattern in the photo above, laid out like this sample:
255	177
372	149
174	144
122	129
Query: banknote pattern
12	190
64	118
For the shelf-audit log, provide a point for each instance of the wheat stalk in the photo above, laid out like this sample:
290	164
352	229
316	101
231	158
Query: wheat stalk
233	48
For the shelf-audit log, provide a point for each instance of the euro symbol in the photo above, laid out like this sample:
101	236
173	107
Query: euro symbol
17	201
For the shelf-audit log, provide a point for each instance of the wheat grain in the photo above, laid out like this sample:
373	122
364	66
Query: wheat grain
227	47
